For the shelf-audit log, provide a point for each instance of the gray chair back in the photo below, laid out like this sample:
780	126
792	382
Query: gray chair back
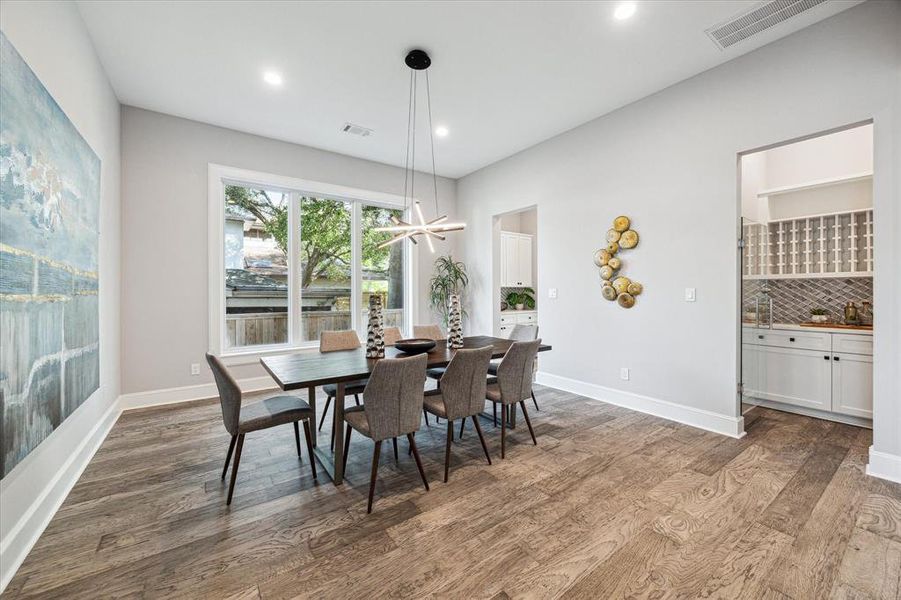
514	374
393	397
429	332
332	341
524	333
229	394
391	335
463	384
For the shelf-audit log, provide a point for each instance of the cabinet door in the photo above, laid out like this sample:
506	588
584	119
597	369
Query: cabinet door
509	263
852	384
524	260
798	377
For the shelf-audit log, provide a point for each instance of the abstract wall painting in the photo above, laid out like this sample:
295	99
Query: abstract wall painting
49	246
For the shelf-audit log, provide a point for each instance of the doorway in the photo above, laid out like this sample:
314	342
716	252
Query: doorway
807	268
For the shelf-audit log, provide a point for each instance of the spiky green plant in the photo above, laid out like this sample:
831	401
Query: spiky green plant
449	278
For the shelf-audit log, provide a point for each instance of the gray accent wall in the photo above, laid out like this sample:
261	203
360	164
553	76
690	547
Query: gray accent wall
669	162
164	224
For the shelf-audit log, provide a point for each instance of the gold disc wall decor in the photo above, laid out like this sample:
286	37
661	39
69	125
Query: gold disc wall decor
614	285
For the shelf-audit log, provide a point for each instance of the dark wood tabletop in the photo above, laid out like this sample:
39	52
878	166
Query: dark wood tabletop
306	369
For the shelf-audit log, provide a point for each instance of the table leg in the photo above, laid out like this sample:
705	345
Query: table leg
338	425
311	400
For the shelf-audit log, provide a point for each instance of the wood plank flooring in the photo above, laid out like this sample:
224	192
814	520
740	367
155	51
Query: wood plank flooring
610	504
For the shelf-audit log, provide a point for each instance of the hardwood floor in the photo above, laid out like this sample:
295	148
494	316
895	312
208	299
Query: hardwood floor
610	504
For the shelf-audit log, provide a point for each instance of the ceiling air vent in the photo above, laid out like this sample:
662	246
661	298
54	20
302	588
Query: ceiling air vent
757	19
357	130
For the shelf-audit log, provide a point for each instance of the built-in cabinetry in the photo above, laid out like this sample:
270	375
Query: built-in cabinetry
516	259
509	319
817	370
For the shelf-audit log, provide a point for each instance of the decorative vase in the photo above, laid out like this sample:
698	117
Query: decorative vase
454	322
375	335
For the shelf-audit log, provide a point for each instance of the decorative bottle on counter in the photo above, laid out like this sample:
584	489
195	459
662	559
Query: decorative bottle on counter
454	322
375	335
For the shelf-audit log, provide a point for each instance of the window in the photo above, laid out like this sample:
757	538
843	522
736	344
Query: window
296	258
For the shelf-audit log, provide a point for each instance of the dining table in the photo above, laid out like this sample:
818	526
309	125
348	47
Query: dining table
308	370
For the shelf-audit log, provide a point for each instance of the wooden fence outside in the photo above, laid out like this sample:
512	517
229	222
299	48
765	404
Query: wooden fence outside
255	329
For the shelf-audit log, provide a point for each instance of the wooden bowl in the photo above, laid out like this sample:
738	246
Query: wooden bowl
415	345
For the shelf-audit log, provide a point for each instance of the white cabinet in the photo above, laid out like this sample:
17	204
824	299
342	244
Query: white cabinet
830	372
789	375
852	384
516	259
509	320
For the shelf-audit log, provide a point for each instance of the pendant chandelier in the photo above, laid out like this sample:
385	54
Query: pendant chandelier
418	61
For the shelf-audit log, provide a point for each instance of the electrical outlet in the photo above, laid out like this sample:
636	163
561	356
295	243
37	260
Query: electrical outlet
690	294
195	368
552	293
624	373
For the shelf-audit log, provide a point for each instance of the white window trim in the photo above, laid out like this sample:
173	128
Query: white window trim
218	176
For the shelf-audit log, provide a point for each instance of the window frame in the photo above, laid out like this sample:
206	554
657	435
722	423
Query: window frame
218	177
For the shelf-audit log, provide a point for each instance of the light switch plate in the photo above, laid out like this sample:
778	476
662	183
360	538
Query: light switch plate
195	368
552	293
690	294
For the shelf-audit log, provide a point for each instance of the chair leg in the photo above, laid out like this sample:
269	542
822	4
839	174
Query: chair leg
357	399
425	482
375	472
394	442
426	415
522	404
494	408
447	447
328	400
231	487
503	430
475	422
346	444
410	446
297	438
309	437
228	457
534	401
462	426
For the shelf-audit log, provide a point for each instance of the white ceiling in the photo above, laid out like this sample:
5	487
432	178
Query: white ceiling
505	75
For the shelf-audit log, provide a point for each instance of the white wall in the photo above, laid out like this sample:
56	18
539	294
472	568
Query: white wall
52	39
669	161
165	161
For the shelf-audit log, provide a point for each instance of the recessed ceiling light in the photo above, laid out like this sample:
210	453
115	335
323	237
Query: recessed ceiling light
624	10
441	131
272	78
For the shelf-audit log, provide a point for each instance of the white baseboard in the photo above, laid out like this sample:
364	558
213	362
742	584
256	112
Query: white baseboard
884	465
695	417
189	392
16	545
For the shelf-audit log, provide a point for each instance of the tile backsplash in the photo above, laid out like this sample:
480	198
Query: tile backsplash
793	298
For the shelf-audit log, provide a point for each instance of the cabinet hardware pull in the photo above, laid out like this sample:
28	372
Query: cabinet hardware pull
759	337
825	358
834	358
791	339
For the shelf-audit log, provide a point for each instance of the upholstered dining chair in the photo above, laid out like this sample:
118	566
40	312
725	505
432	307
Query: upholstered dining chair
240	420
514	384
335	341
391	335
429	332
462	395
521	333
392	402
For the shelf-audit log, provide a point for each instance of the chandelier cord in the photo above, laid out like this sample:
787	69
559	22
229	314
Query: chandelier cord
428	95
407	153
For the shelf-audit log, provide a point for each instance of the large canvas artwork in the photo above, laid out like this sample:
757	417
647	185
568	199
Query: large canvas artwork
49	211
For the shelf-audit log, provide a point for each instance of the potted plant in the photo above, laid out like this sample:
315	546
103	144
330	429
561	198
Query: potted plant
523	299
819	315
449	278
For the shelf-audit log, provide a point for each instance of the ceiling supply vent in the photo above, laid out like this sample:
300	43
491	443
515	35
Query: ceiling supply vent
357	130
755	20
